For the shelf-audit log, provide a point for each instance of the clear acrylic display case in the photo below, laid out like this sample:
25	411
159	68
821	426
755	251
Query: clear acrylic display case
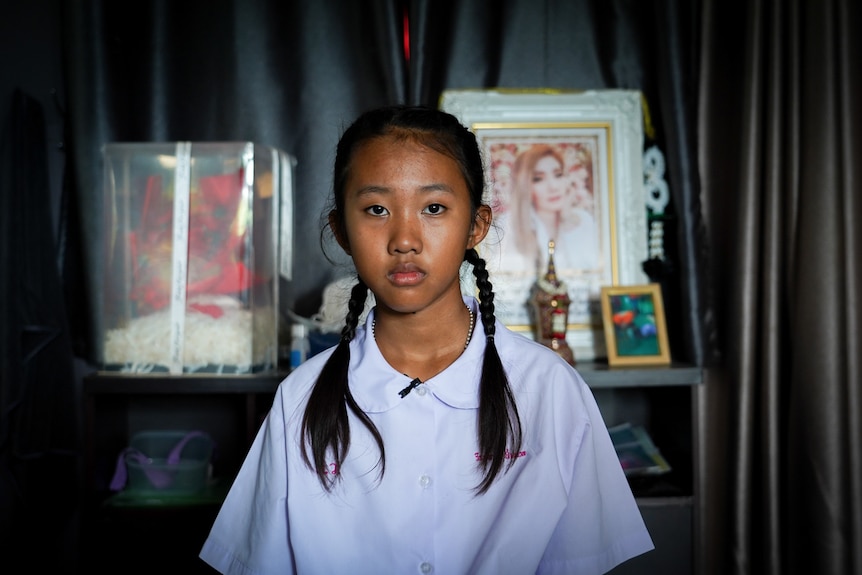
193	252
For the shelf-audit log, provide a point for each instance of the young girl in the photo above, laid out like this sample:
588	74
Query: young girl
432	439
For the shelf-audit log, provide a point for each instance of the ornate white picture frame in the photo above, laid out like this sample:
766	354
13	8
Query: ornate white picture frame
578	151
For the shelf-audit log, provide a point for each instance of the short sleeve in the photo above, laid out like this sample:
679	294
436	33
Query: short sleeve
250	533
601	526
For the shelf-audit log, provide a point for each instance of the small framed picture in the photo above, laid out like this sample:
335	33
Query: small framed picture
634	325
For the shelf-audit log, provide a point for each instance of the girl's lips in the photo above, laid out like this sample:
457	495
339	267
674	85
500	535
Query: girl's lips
406	275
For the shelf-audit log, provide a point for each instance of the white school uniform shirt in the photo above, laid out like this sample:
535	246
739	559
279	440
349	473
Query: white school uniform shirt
564	507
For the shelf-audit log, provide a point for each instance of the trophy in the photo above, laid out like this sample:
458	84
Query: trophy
550	301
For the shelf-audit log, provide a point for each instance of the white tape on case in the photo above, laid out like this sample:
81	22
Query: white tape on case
180	255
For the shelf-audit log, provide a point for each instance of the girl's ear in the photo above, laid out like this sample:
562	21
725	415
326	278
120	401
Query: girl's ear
338	232
480	227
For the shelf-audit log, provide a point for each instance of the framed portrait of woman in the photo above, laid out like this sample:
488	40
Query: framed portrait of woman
567	167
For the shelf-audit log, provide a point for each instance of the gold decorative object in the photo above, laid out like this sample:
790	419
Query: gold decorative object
550	300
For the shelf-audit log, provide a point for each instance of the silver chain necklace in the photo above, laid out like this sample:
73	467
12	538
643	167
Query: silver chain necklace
469	330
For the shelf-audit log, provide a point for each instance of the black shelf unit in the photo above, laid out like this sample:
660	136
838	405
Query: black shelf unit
600	375
231	408
152	535
661	398
116	406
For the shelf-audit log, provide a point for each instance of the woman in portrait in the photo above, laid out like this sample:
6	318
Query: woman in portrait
544	206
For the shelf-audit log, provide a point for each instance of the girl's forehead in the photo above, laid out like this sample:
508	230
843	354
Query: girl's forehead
387	158
384	151
395	140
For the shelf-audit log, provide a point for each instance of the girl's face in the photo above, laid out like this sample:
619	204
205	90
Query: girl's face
549	185
407	222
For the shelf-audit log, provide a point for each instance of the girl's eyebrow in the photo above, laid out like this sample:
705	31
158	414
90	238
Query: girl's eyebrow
366	190
437	188
427	188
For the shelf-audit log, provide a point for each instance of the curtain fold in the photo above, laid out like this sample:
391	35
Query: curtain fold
40	443
676	97
778	156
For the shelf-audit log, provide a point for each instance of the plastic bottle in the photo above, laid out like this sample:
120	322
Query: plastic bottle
299	346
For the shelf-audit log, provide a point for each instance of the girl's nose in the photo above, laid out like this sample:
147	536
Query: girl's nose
406	235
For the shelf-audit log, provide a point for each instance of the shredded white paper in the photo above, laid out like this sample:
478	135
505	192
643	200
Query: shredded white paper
226	340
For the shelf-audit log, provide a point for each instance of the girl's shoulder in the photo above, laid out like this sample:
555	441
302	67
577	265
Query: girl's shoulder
521	354
541	380
517	342
298	383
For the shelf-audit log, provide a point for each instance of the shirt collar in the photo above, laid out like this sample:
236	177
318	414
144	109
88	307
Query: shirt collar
375	384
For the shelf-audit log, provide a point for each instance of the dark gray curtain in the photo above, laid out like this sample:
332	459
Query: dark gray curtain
292	74
40	445
781	143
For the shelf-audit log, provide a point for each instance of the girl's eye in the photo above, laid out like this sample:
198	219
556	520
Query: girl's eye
435	209
376	210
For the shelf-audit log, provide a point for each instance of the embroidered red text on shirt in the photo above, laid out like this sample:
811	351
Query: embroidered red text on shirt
507	455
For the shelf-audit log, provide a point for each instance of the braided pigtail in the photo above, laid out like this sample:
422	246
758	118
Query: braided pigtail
325	423
498	420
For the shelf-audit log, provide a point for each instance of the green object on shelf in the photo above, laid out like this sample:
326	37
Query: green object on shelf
212	494
165	462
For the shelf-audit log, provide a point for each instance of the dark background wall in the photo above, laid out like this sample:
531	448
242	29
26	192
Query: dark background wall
40	450
31	60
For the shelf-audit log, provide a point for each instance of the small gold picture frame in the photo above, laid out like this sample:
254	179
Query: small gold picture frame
634	325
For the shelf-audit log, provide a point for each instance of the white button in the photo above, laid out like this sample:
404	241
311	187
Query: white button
421	390
424	481
425	567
